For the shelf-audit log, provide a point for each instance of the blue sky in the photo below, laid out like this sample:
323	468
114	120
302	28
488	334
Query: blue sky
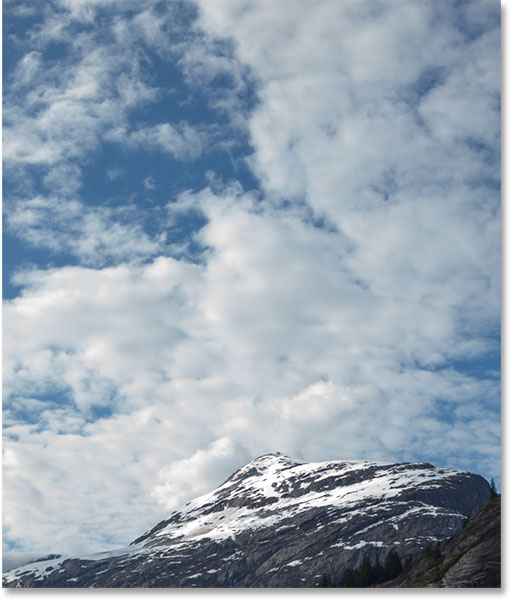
237	227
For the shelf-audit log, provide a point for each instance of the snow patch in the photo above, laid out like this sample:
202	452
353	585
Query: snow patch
294	563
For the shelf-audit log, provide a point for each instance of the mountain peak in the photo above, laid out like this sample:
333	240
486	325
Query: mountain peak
280	521
274	459
265	463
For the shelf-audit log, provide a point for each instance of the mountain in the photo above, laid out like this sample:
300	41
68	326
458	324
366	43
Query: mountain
281	522
470	558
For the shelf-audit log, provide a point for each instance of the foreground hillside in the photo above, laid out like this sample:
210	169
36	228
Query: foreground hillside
280	522
471	558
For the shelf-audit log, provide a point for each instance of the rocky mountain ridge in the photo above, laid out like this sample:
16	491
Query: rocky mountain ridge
280	522
470	558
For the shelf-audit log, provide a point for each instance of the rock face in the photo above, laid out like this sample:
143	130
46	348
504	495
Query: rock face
280	522
471	558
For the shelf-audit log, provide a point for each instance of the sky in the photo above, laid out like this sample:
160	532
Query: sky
234	227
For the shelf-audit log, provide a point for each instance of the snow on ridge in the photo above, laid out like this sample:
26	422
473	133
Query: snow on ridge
232	517
257	478
39	567
273	458
220	514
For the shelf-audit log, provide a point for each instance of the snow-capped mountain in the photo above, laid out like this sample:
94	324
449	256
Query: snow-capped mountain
280	522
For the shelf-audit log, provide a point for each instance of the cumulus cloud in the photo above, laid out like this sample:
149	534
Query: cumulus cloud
181	140
197	474
171	346
68	109
94	235
59	113
334	312
360	83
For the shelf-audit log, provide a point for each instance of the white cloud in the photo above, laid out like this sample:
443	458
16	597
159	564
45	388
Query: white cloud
198	474
149	183
114	173
341	103
73	493
68	107
59	113
182	140
327	311
348	124
171	347
448	108
95	235
28	68
83	10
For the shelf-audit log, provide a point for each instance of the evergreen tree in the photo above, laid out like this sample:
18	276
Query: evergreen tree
377	570
494	491
349	579
392	565
436	552
365	572
325	581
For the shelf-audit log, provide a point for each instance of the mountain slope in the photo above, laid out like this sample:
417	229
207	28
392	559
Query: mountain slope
280	522
471	558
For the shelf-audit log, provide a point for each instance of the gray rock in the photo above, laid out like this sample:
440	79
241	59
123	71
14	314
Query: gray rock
279	522
471	558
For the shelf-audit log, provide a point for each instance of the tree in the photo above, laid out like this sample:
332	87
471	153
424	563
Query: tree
377	570
435	552
392	565
325	581
494	491
365	572
349	579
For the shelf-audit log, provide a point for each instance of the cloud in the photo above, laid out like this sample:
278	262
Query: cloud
183	141
114	173
77	497
11	560
149	183
79	94
194	476
410	185
56	114
170	348
343	309
95	235
69	107
353	82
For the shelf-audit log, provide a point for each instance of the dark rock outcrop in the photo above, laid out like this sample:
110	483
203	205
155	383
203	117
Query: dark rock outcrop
470	559
279	522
